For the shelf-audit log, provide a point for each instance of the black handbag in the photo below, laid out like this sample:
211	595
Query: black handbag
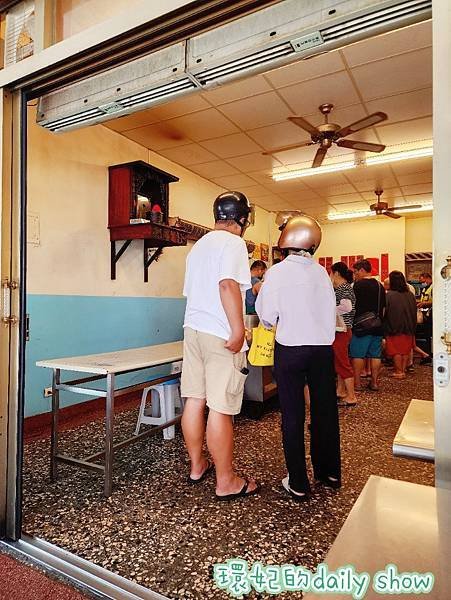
369	321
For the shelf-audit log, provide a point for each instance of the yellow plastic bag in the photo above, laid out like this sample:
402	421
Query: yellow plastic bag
261	353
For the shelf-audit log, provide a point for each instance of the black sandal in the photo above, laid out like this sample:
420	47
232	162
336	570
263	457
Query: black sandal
329	481
209	469
242	493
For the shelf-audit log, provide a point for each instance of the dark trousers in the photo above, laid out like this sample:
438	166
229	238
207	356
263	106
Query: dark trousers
294	367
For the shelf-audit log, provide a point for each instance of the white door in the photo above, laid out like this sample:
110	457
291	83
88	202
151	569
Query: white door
442	235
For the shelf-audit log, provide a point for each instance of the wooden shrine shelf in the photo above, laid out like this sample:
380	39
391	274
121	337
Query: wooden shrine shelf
155	233
155	236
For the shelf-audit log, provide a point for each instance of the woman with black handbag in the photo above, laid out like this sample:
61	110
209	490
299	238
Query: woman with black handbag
367	331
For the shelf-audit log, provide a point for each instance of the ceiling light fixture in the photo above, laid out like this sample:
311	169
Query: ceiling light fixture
344	166
369	213
316	171
397	156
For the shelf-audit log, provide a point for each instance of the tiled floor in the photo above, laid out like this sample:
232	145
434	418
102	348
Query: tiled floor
166	535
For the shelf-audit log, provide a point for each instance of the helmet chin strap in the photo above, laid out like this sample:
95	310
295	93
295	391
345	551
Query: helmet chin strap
241	225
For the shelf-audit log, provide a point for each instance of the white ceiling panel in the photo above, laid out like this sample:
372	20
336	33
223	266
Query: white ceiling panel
251	113
254	162
204	125
234	182
403	107
389	194
139	119
263	177
280	134
215	168
178	108
301	157
231	145
344	198
394	75
191	154
415	199
308	197
159	136
383	181
414	178
304	98
236	91
258	191
418	165
419	188
408	131
389	44
351	206
303	70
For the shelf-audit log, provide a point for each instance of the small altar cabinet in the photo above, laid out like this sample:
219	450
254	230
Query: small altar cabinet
138	208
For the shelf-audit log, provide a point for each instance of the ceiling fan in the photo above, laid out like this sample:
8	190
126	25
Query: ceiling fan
382	208
330	133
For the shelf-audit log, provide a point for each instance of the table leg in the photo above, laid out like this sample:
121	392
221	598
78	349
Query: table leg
55	416
109	430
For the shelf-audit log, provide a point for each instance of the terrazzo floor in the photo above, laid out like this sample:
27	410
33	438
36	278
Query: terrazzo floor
163	534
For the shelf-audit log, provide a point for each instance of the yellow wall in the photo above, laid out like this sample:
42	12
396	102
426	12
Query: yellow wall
68	192
370	238
419	235
374	237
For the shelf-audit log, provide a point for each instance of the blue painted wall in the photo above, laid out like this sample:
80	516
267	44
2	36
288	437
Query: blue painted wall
74	325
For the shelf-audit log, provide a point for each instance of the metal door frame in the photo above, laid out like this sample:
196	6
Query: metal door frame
12	344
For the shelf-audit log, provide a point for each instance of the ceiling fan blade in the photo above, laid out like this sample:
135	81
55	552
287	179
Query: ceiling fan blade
289	147
392	215
368	121
393	208
300	122
355	145
319	156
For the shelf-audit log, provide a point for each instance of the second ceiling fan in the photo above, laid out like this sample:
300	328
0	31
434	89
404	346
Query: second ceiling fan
381	208
327	134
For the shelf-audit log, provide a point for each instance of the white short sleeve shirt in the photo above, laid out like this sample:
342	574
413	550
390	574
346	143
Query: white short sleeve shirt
216	256
298	296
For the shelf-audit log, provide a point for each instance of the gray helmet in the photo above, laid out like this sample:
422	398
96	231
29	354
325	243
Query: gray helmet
232	206
301	233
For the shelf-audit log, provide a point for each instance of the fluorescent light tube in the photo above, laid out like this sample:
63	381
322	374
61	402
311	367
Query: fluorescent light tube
350	215
344	166
406	209
317	171
396	156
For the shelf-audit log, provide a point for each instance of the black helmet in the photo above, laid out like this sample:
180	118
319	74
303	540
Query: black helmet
231	206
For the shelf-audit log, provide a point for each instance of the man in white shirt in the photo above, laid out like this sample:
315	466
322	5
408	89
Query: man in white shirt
298	297
214	356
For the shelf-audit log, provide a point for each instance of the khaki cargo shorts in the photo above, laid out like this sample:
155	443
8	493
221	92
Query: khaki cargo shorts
212	372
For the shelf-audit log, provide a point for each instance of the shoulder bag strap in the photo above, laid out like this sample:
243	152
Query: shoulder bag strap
378	298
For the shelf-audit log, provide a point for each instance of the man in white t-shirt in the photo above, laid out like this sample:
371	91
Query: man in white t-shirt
214	357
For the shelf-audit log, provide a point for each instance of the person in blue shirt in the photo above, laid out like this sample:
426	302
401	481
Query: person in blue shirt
258	269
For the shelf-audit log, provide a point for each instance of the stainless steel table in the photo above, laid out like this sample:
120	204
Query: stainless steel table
415	436
396	522
106	366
